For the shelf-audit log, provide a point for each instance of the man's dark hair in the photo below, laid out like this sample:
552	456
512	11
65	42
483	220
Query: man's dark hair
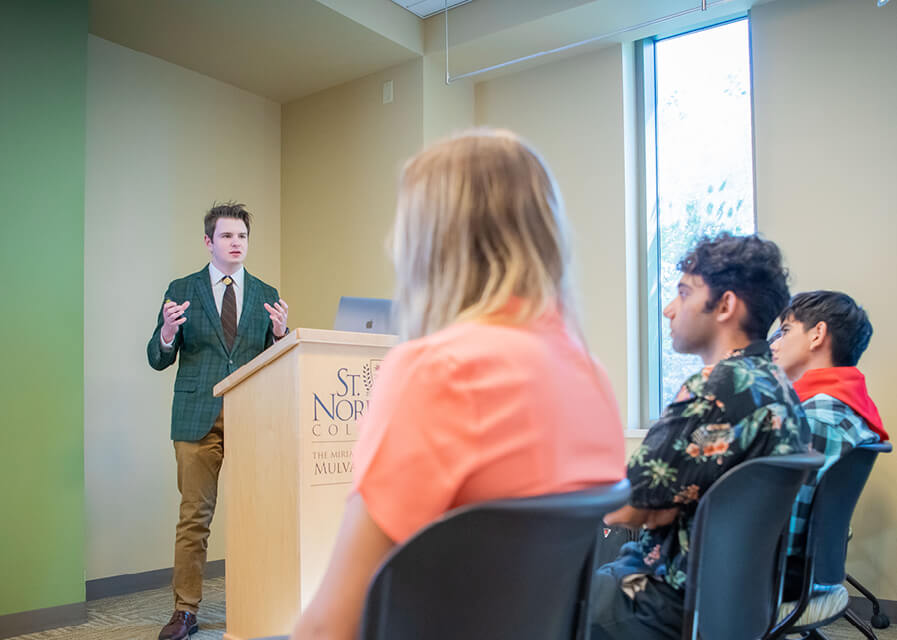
748	266
229	209
847	322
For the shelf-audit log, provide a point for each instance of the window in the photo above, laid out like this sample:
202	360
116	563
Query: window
698	166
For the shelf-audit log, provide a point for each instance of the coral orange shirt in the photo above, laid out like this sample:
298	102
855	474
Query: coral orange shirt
484	411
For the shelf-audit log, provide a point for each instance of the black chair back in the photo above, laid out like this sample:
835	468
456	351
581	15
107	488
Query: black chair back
518	569
835	499
825	552
735	555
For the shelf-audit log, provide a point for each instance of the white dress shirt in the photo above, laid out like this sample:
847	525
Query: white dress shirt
218	287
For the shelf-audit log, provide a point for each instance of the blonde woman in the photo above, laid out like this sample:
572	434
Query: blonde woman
491	394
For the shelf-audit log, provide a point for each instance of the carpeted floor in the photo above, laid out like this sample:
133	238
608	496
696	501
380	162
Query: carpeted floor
139	616
842	630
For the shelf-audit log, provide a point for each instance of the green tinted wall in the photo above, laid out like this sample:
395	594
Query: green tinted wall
43	67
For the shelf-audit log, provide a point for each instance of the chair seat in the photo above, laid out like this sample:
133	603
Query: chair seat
829	602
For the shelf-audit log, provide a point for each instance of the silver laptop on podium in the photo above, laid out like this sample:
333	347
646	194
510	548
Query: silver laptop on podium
365	315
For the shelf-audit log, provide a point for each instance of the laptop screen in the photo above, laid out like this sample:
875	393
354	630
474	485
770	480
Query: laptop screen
364	315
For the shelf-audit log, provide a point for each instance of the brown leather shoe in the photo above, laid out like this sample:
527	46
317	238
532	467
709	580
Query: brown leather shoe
181	625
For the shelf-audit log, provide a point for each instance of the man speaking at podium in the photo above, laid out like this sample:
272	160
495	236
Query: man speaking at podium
218	319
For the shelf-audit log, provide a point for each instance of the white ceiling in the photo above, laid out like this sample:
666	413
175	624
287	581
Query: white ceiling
280	49
427	8
286	49
490	33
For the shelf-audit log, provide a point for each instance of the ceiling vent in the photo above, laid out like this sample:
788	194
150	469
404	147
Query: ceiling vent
427	8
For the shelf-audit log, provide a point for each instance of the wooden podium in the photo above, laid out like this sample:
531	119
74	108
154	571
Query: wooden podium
290	425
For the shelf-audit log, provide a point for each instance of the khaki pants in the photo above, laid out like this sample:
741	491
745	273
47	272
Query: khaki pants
198	466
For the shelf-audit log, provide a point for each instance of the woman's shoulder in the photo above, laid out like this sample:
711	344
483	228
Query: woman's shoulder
421	357
463	344
453	343
476	340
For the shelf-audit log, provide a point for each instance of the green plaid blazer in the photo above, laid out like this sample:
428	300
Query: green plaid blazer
204	358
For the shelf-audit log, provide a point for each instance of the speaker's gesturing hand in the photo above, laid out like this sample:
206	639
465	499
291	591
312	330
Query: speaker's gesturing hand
278	314
172	319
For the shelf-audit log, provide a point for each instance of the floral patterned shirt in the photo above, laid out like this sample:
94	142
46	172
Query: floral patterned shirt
743	407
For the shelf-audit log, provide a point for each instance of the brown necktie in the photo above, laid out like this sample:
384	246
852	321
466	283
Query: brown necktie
229	312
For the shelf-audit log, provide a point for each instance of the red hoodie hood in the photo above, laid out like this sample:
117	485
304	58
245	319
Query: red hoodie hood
846	384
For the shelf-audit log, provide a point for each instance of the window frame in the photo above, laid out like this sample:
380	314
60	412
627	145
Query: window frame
651	321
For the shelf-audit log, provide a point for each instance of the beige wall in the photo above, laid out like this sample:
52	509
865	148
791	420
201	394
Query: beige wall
572	112
825	90
162	144
342	152
446	108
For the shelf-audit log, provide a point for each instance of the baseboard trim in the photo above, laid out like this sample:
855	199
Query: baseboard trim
18	624
134	582
863	608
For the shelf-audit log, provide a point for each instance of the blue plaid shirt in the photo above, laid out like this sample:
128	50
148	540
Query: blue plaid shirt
835	429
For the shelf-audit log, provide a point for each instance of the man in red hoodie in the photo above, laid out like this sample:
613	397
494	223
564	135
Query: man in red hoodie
822	336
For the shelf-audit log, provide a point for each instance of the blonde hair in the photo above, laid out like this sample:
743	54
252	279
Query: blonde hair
479	223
